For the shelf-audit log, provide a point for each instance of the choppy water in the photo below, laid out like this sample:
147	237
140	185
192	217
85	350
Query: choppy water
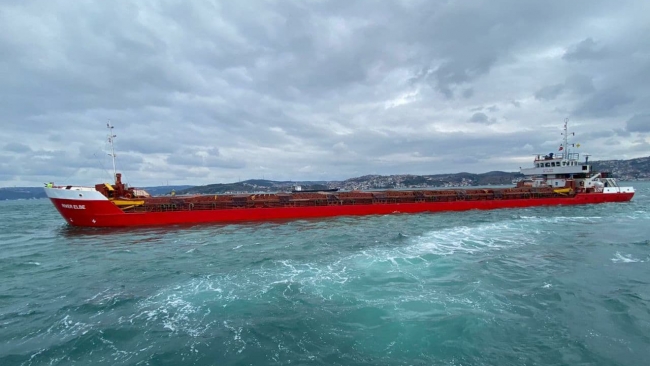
539	286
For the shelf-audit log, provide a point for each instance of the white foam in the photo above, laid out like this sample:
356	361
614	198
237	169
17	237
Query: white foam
181	308
561	219
173	312
621	258
468	239
236	335
67	327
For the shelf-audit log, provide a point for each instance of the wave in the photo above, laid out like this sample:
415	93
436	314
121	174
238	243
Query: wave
625	258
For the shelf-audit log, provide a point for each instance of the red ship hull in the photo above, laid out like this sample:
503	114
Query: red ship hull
103	213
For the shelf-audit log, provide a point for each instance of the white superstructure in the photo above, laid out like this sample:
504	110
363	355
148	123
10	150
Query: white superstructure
565	170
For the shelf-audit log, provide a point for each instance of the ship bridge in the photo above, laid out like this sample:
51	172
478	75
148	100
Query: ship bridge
557	164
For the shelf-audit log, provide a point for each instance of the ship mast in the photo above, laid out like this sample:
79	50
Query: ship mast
111	137
565	145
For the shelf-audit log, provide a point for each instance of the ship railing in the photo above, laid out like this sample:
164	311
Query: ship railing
75	188
557	156
386	197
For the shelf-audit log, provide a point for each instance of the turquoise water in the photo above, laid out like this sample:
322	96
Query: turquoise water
539	286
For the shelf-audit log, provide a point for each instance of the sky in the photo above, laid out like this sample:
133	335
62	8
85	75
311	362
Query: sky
207	92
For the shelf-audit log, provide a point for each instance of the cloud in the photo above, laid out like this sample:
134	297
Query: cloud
480	117
206	92
603	103
210	158
579	85
638	123
586	49
549	92
17	147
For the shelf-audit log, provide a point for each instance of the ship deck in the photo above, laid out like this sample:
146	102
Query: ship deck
314	199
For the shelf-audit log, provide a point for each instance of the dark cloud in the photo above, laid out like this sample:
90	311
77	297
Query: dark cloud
586	49
593	135
17	147
549	92
480	117
638	123
580	85
622	132
210	158
603	103
468	93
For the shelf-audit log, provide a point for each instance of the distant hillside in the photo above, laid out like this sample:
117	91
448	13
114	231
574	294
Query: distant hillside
21	193
358	183
253	185
161	190
632	169
423	181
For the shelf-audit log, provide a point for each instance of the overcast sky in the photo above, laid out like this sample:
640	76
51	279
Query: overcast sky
216	91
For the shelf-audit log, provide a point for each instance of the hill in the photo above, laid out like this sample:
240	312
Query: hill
359	183
160	190
253	185
632	169
21	193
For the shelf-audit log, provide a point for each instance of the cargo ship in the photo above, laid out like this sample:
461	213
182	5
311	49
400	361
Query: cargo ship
554	179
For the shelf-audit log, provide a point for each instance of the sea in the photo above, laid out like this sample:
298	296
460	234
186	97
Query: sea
564	285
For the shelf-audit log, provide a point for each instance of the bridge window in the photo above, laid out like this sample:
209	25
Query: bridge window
548	165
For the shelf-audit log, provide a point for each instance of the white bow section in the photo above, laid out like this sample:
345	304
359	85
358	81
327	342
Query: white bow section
75	193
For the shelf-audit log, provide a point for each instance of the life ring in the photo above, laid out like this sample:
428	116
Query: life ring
128	195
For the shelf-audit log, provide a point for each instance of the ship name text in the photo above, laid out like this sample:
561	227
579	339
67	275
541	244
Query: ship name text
73	207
